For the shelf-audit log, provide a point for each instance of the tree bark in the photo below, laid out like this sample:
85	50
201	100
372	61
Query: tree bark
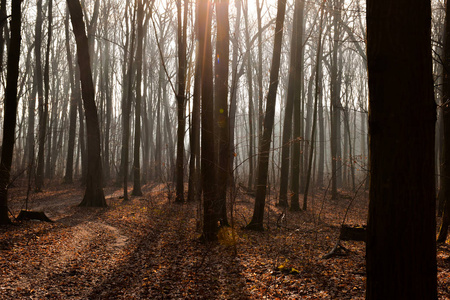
445	169
401	243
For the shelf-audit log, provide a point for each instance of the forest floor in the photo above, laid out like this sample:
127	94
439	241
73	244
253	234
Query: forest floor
149	248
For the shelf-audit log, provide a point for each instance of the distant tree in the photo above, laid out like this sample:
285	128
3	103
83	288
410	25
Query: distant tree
74	99
137	110
263	156
94	195
181	98
287	122
401	243
336	107
316	100
40	93
126	108
296	93
10	109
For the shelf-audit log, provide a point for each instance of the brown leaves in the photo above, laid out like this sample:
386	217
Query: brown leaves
149	249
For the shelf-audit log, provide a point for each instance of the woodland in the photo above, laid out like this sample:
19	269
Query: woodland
226	149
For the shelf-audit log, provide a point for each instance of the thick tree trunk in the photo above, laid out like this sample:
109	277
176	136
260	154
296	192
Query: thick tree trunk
94	195
444	193
221	98
208	155
401	243
10	107
263	157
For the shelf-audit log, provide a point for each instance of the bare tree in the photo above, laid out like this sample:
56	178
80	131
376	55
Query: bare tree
94	195
264	150
208	154
9	121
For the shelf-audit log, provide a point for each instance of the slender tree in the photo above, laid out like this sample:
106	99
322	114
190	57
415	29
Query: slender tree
401	243
251	110
316	99
94	195
287	122
181	99
137	121
335	139
9	121
264	150
297	107
40	92
126	110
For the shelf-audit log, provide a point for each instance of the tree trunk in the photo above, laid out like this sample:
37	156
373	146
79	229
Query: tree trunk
445	169
2	31
316	99
194	186
137	122
94	195
401	243
297	107
126	111
336	159
181	101
208	154
234	87
221	98
251	135
107	91
40	89
10	106
263	157
287	123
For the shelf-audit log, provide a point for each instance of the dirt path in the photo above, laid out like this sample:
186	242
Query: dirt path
148	248
49	259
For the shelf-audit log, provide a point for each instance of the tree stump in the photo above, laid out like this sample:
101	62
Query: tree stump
347	233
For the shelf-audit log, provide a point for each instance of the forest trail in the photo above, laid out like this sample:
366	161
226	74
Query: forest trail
149	248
